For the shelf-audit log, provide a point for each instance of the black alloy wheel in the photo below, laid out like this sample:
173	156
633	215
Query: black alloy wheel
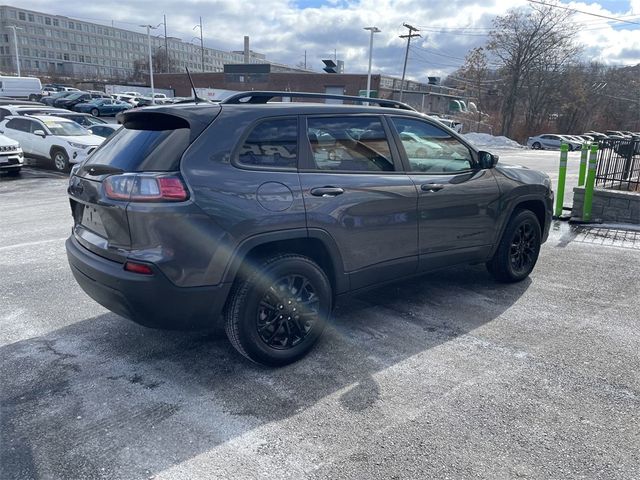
287	312
518	250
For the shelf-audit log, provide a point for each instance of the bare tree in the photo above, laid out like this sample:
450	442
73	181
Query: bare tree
161	63
523	41
474	72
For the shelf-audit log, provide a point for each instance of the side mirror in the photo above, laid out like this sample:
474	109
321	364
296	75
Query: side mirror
487	160
40	133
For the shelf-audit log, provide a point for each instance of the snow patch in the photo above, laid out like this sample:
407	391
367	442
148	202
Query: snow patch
486	140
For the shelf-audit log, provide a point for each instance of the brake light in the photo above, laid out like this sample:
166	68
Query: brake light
145	188
140	268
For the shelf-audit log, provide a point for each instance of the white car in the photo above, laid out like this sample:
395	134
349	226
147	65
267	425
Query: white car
552	141
15	110
53	138
11	156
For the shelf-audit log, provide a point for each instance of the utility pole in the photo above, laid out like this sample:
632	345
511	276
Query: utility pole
149	27
15	44
166	46
201	44
372	30
305	59
409	36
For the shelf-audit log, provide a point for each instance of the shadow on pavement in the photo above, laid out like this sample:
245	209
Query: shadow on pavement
105	398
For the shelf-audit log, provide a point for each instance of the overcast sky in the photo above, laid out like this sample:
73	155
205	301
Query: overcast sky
283	30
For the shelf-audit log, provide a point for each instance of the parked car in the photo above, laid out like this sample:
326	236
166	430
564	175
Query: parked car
72	100
132	94
46	91
105	130
551	141
53	138
27	88
50	99
7	110
85	119
11	156
271	232
102	106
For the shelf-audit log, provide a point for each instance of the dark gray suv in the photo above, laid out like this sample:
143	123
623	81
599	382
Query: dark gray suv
262	213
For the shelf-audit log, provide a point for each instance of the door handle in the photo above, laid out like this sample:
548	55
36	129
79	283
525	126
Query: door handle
431	187
326	191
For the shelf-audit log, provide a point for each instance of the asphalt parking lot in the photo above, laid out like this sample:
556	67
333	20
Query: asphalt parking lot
448	376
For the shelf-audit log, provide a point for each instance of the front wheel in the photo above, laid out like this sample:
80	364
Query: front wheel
61	160
536	146
518	250
278	311
95	112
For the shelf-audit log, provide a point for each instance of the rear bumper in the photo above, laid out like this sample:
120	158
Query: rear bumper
150	300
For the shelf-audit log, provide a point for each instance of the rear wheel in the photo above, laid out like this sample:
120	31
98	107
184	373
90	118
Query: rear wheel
277	312
536	146
95	112
60	160
518	250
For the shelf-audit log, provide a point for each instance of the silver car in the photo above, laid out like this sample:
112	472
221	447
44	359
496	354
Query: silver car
550	141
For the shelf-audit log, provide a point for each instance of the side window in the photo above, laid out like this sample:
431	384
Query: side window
36	126
271	143
4	113
351	144
20	124
431	149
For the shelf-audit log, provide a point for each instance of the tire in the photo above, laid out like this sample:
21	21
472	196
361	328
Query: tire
33	98
254	319
518	250
13	172
95	112
60	160
536	146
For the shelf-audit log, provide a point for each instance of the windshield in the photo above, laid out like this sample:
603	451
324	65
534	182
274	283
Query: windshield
59	127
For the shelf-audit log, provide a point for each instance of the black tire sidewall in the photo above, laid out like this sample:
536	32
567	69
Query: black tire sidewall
253	292
536	146
97	114
517	220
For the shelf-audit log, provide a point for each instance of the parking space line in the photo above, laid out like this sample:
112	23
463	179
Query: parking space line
28	244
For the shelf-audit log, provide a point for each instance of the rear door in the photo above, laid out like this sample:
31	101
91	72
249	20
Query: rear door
19	129
355	190
457	203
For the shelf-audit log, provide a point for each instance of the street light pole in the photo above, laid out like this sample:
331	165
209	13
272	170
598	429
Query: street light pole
372	30
201	43
149	27
15	43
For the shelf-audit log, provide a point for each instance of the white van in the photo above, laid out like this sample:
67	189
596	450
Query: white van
28	88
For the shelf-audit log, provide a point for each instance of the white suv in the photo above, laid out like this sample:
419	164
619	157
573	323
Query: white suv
52	138
11	157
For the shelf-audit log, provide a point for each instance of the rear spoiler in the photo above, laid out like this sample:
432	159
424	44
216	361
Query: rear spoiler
170	118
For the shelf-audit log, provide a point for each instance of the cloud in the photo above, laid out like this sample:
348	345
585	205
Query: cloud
283	30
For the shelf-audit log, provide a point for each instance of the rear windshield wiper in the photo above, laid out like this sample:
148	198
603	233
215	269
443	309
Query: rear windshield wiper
101	169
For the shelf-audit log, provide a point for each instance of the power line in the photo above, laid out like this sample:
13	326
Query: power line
619	19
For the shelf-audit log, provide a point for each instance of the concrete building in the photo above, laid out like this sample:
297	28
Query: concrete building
63	46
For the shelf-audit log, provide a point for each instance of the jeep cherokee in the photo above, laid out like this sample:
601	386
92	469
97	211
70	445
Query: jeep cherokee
262	213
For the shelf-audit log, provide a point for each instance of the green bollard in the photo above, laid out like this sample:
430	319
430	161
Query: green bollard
583	164
562	177
591	181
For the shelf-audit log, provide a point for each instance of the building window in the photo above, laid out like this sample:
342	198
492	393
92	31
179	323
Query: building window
22	16
31	19
47	21
56	23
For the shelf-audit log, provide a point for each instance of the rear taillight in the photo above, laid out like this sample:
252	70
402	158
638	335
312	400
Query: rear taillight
144	187
135	267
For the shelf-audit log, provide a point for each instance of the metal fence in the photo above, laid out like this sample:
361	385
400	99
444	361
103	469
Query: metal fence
619	164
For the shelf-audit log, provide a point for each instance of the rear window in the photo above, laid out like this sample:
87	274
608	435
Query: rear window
135	150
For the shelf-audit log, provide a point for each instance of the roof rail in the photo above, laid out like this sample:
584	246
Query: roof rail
258	97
